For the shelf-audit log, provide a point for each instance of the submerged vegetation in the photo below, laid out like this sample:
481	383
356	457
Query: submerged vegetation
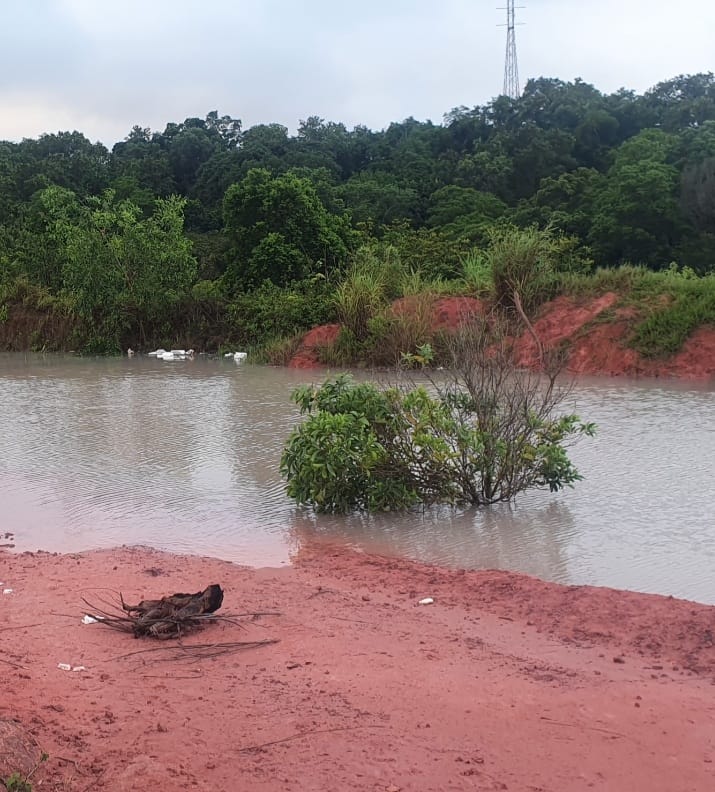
480	435
207	234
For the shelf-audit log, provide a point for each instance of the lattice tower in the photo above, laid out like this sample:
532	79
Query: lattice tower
511	66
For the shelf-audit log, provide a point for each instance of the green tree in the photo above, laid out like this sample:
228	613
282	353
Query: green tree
488	435
376	199
464	213
126	273
636	213
565	202
280	230
687	100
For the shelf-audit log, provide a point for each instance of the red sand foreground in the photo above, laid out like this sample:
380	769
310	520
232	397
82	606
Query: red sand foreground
503	683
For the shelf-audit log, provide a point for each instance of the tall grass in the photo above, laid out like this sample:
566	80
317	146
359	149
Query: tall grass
277	351
359	298
522	262
476	272
414	282
679	303
393	334
622	280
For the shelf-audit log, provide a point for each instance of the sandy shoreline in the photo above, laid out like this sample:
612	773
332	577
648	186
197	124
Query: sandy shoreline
505	682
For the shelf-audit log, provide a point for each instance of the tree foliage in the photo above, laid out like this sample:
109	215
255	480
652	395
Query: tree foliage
280	230
628	177
490	433
118	266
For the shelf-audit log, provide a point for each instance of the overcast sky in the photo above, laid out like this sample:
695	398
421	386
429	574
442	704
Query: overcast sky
102	66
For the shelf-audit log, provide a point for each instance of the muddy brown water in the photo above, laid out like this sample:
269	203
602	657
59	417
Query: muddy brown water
184	456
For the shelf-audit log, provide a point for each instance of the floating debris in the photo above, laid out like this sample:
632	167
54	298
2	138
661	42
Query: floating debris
239	357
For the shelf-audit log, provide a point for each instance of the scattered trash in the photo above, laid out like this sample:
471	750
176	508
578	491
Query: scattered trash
7	591
87	619
68	667
237	356
172	354
426	601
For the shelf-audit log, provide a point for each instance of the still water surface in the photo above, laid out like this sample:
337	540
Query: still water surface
184	456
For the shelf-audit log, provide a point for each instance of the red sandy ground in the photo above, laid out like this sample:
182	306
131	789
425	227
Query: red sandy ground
504	683
594	347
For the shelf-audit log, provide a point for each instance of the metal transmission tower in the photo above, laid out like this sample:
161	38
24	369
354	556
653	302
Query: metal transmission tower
511	67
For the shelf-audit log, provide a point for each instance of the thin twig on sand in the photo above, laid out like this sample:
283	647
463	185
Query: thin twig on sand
308	733
199	651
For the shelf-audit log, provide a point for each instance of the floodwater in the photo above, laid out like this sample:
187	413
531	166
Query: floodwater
184	456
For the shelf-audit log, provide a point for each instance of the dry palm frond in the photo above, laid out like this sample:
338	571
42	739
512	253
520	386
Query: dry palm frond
168	617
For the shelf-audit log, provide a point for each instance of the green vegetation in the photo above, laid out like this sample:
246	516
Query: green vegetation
670	303
207	234
679	302
489	433
16	783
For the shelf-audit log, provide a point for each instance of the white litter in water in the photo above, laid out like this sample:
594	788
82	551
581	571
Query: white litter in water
64	666
7	591
426	601
79	668
86	619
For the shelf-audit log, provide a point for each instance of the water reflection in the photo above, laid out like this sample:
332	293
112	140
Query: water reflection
185	456
499	537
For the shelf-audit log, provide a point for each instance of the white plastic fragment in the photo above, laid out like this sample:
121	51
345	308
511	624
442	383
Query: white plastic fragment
87	619
64	666
426	601
79	668
7	591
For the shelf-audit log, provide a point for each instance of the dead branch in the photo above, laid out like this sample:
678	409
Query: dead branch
14	665
582	726
196	652
529	326
297	736
22	626
168	617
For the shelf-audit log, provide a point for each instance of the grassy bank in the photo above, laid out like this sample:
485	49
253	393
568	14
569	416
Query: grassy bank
386	307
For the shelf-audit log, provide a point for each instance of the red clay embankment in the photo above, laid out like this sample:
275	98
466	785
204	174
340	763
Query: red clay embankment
593	330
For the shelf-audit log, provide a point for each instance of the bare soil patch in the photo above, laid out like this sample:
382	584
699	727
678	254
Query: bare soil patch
503	682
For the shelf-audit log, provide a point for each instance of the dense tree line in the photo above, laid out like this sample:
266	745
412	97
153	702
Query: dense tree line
168	223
